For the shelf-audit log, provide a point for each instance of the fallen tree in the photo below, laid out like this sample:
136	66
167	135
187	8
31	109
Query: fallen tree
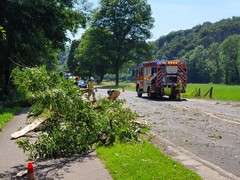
74	124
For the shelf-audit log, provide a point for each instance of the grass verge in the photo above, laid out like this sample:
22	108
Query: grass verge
142	161
6	114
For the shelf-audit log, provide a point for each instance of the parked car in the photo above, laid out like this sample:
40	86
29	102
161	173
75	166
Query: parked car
67	75
82	84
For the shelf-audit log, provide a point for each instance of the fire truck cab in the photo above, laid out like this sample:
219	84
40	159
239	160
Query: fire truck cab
161	78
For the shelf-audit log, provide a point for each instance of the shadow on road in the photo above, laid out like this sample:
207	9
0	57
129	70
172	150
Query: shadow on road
49	169
162	99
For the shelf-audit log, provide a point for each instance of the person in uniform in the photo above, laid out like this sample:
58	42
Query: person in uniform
91	89
179	88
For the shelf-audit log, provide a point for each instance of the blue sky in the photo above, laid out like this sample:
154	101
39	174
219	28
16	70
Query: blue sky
173	15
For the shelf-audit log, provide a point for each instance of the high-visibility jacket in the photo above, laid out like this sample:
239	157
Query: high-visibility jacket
91	85
179	85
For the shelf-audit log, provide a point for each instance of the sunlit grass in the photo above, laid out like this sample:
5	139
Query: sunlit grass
6	114
220	91
142	161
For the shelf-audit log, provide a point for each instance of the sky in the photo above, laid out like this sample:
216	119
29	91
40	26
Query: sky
174	15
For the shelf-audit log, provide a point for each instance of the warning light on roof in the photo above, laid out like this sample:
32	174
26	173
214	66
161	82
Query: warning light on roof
172	63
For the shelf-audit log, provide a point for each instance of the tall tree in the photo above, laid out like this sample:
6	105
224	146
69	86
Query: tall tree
197	67
230	58
214	63
72	62
128	23
92	53
36	30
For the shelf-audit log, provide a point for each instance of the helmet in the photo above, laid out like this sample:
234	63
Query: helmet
91	78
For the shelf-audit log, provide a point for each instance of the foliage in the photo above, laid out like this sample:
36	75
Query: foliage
6	114
74	124
36	32
214	63
127	24
231	59
72	62
92	53
197	65
142	161
3	32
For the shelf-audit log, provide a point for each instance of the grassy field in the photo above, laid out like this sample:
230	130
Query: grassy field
6	114
220	91
142	161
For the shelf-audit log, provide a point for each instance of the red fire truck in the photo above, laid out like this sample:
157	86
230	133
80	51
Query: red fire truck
161	78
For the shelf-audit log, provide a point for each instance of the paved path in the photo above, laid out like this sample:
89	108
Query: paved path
13	160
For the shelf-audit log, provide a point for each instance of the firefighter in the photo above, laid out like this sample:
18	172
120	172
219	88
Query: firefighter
91	89
179	88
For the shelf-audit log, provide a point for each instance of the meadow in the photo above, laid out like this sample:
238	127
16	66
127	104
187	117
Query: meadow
220	91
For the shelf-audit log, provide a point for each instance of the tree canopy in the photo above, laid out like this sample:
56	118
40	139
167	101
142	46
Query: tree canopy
35	31
127	25
92	53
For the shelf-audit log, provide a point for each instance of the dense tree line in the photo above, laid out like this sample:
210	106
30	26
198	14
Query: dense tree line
211	49
33	32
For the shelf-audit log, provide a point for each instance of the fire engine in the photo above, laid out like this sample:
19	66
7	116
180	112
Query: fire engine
161	78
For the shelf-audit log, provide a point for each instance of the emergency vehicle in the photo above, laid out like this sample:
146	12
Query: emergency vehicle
161	78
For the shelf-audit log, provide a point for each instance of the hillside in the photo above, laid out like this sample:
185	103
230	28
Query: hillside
198	45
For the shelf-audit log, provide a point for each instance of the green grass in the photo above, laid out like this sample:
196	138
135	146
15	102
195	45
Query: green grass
6	114
142	161
220	91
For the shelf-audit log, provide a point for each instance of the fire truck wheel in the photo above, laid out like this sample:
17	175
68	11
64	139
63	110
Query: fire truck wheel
150	95
139	93
172	97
